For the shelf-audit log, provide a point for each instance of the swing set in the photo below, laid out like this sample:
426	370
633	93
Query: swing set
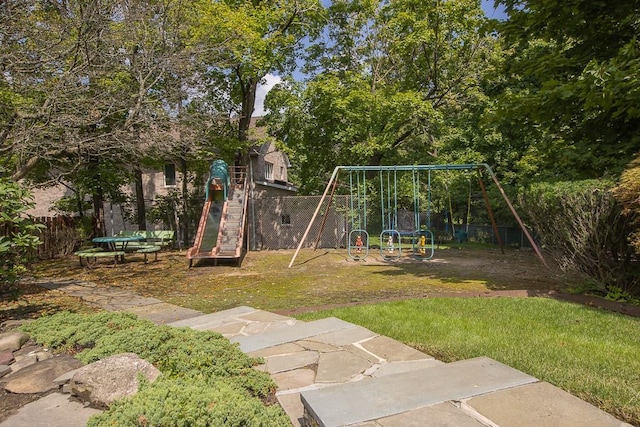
422	239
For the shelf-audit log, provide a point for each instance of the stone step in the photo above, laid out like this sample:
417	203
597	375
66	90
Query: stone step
53	410
212	319
375	398
237	321
300	331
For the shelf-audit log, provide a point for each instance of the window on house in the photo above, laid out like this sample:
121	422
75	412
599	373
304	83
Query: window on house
170	175
285	219
282	173
268	170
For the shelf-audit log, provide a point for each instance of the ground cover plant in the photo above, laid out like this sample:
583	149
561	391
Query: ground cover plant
205	379
590	353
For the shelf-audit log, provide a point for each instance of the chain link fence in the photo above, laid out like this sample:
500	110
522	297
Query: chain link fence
280	222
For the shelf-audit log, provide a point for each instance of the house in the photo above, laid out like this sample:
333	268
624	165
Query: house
268	173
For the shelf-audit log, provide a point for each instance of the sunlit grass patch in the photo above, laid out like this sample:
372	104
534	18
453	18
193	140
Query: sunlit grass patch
590	353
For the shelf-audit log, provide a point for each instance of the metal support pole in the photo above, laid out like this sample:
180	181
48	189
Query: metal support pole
326	214
516	216
313	218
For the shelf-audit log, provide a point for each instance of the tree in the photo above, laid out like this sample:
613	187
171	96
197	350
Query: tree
88	85
250	40
390	85
571	86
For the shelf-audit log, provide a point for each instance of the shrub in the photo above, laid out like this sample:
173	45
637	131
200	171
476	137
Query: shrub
206	380
628	194
582	227
17	233
194	403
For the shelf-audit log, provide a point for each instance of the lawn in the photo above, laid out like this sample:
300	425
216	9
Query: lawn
591	353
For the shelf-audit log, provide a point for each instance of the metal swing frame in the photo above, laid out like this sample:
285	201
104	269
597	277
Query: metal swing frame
474	166
358	252
389	232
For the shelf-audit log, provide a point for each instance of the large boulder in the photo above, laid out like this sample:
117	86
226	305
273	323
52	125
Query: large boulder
110	379
38	378
12	341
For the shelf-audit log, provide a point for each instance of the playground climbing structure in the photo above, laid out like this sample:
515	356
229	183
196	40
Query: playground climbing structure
221	231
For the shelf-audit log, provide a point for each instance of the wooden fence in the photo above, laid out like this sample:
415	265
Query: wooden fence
60	237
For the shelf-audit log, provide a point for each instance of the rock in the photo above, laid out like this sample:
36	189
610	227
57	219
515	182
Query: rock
12	324
65	378
12	341
110	379
22	362
4	370
42	355
39	377
27	349
6	358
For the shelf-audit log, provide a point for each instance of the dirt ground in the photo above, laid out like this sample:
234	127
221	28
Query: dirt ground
317	279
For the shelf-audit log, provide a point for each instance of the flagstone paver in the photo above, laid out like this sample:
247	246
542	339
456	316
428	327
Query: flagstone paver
291	361
340	366
370	399
553	407
442	415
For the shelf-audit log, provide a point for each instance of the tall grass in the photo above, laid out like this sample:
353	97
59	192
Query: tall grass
592	354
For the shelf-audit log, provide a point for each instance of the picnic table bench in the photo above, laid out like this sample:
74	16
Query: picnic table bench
149	250
96	253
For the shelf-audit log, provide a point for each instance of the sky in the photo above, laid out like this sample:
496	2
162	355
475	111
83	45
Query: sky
271	80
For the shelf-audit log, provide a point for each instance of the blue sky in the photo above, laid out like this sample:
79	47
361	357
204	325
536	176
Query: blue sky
491	11
271	80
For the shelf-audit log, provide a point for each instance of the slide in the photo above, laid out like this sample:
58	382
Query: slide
222	224
211	227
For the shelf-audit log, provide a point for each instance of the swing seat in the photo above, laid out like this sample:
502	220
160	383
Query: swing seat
358	250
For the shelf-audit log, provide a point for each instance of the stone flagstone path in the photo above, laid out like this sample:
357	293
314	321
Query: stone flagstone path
333	373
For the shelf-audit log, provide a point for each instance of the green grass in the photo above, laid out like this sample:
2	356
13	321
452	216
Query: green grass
590	353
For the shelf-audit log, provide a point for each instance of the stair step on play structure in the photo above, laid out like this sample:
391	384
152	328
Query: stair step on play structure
333	373
222	225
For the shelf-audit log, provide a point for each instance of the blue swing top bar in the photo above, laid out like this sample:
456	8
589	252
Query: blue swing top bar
469	166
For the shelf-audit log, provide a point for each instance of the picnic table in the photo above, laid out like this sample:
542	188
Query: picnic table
116	248
111	241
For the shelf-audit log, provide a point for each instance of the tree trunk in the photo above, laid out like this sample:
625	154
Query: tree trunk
98	212
248	89
141	209
185	209
97	196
